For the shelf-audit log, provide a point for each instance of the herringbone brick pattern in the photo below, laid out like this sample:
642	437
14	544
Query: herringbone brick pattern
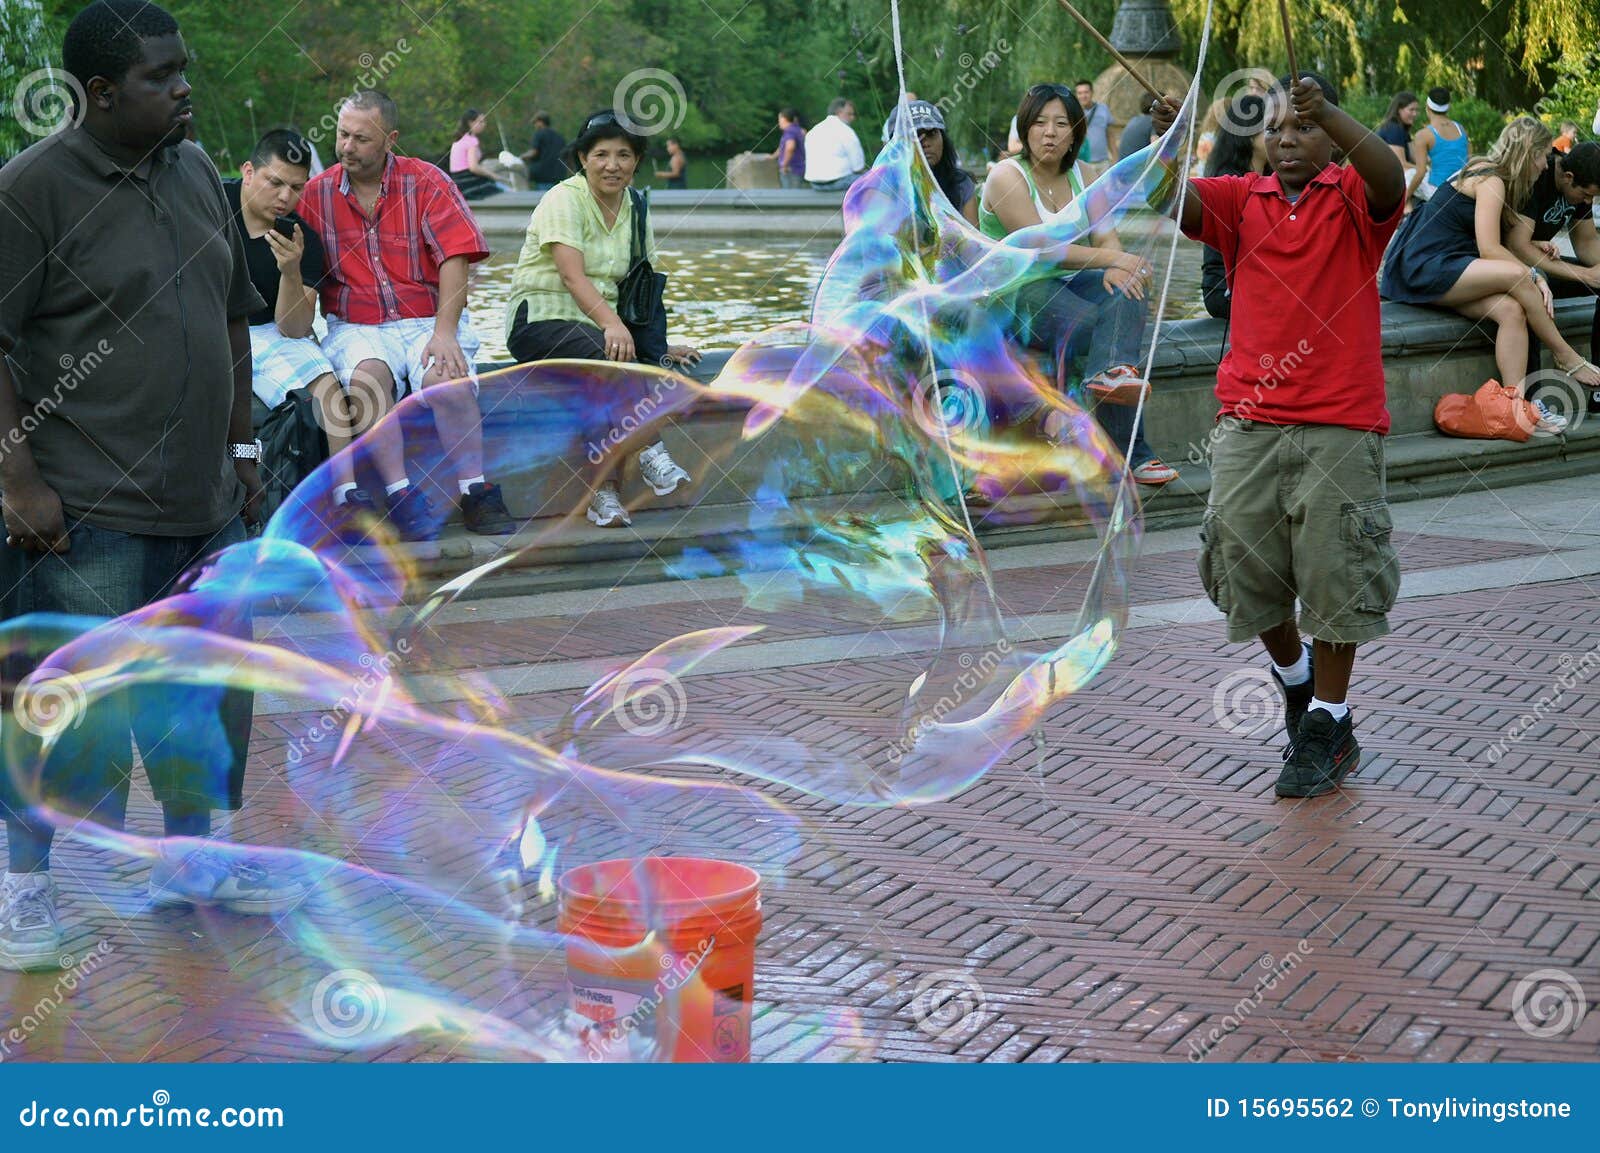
1118	892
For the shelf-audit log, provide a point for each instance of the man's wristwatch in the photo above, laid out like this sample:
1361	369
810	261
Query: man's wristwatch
251	451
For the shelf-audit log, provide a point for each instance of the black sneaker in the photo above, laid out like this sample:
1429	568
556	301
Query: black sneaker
352	523
485	511
1296	700
1324	753
413	514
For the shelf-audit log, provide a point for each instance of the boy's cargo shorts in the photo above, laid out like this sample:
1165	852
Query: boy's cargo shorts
1299	512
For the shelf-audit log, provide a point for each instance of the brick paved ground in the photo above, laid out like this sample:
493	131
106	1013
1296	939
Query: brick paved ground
1110	897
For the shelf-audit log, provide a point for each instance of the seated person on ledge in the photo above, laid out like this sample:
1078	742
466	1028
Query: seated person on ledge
564	291
287	271
1562	200
1095	311
399	239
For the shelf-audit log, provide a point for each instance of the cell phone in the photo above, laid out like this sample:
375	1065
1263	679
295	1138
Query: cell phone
284	227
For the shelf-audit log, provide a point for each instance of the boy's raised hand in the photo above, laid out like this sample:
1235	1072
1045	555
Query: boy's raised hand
1307	100
1163	113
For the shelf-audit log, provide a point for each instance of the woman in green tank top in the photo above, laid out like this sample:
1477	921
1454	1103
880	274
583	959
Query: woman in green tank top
1095	312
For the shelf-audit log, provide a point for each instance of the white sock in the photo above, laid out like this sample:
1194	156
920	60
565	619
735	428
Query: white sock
466	485
27	880
397	486
1299	672
1336	711
341	493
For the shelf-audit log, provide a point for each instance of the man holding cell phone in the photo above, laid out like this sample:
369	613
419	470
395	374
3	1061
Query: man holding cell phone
287	265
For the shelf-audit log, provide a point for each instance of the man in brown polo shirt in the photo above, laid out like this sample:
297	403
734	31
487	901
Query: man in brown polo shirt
126	455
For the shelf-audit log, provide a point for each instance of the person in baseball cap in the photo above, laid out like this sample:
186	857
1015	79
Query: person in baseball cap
928	123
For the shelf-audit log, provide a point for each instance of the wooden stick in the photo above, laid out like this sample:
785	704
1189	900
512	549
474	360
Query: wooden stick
1115	55
1288	42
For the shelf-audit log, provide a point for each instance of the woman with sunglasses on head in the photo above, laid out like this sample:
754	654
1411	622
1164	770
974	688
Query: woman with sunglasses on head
564	291
1095	310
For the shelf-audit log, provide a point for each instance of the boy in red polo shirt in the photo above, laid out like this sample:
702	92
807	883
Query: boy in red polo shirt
1298	507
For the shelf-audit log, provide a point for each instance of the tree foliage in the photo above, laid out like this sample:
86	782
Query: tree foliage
738	61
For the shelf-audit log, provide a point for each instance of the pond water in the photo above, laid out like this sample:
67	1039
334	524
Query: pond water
724	291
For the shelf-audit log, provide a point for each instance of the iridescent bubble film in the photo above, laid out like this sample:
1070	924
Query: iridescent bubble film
852	464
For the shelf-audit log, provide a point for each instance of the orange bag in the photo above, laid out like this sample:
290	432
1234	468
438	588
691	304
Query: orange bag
1494	412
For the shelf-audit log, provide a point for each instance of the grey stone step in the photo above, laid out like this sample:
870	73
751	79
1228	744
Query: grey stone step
579	555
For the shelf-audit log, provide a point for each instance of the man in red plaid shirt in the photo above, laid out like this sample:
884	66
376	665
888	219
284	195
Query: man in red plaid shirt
398	239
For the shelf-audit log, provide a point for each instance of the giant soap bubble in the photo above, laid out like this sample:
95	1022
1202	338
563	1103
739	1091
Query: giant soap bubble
850	465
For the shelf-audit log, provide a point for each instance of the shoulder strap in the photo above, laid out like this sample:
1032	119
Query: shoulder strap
641	207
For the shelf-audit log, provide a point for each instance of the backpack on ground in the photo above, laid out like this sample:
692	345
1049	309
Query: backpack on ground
292	446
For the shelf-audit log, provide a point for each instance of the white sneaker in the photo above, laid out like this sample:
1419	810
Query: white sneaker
661	472
1549	419
240	885
30	928
605	508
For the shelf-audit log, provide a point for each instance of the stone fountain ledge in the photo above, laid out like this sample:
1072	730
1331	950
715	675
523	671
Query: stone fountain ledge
1427	354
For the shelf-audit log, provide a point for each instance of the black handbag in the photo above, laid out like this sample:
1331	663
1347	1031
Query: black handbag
641	295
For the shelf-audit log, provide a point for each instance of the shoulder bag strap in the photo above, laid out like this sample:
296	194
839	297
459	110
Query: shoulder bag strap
641	205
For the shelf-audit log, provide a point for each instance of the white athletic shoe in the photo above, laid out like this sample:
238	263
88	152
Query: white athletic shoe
661	472
605	508
30	928
1549	419
240	885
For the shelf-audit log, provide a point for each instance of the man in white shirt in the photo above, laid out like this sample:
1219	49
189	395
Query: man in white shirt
833	152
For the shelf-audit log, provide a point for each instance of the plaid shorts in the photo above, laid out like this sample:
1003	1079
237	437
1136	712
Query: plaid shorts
280	363
398	343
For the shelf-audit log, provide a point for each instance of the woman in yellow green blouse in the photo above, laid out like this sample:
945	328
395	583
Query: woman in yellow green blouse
564	291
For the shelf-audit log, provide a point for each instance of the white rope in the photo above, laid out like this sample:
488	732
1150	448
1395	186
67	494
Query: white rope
933	369
1125	484
1124	489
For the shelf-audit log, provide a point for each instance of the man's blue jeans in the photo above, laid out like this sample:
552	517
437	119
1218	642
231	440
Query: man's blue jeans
192	741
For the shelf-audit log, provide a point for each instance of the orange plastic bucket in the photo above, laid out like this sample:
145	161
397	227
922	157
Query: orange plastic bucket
691	994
